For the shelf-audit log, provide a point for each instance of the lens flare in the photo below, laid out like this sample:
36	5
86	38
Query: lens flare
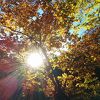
34	60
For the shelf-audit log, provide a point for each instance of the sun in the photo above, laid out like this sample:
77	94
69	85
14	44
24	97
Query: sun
34	60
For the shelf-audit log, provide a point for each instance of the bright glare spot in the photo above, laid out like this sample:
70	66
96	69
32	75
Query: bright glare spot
34	60
34	18
57	53
64	49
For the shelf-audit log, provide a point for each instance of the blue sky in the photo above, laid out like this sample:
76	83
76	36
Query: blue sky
83	18
40	11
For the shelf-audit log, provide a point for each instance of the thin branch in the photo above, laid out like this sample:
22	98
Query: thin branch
13	29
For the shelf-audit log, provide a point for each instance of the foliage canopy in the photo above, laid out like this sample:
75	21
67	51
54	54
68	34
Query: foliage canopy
71	61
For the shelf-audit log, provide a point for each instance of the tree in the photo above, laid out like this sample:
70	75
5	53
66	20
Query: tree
44	25
79	65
